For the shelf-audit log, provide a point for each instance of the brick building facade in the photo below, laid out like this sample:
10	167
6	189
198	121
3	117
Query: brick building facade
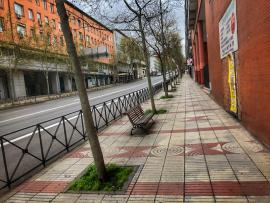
32	22
35	25
251	59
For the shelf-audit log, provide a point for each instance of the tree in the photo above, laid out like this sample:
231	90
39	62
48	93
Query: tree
89	124
175	52
160	29
130	51
157	40
131	17
12	52
44	42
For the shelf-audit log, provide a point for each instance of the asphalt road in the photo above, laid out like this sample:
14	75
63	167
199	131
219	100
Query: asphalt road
17	118
19	161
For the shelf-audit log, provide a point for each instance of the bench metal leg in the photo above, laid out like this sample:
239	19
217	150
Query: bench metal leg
133	128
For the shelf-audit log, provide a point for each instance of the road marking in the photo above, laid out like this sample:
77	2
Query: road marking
63	106
117	91
41	130
38	112
48	127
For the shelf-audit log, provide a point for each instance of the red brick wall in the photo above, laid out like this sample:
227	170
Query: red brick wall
252	62
99	35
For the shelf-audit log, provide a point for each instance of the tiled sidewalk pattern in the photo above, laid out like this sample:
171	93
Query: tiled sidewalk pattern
196	152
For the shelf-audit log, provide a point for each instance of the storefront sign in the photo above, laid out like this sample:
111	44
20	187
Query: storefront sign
228	31
232	83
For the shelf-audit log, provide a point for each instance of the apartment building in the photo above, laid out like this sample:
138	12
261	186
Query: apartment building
35	24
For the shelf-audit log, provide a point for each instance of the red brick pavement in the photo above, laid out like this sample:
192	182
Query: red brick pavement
217	188
43	186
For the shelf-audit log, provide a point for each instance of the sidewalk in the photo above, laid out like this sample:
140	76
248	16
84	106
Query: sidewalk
195	153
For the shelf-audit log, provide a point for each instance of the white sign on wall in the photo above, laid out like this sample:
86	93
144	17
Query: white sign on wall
228	31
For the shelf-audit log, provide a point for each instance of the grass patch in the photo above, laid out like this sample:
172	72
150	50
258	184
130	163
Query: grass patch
117	176
159	111
164	97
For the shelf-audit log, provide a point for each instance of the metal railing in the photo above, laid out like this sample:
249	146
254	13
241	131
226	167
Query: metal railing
27	150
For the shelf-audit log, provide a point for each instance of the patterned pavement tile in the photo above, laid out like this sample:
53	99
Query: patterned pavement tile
231	199
90	198
199	199
43	197
196	152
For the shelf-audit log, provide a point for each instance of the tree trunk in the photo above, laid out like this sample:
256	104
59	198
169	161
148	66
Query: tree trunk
47	83
163	49
163	71
89	124
146	58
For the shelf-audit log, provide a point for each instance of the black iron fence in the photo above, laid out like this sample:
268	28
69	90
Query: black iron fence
29	149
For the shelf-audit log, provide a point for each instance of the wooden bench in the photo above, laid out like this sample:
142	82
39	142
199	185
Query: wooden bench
138	119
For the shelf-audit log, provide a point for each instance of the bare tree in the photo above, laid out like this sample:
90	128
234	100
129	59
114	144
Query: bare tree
156	40
130	15
159	30
89	124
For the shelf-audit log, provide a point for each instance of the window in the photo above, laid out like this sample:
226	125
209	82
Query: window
74	33
62	41
49	39
32	32
18	10
55	39
53	23
79	22
30	14
41	35
37	2
81	36
45	4
51	8
46	20
87	39
1	3
81	47
2	25
39	18
21	30
74	20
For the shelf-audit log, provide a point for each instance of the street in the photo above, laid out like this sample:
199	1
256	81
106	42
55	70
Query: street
29	147
21	117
